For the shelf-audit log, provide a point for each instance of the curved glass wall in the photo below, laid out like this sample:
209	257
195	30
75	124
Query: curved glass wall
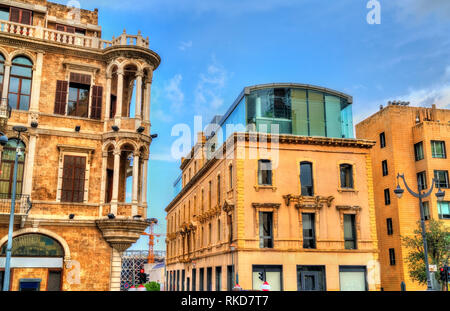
300	112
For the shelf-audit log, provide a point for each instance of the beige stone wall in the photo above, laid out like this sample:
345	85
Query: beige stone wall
402	132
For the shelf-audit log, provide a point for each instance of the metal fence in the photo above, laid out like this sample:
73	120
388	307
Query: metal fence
132	262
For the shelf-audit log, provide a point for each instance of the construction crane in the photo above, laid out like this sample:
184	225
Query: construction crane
151	239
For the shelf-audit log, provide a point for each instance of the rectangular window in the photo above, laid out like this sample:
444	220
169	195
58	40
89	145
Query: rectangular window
266	230
309	234
269	274
73	179
218	279
230	278
390	229
346	176
178	280
209	279
306	179
194	280
4	15
54	281
392	256
20	16
418	151
265	172
202	279
183	276
426	210
78	104
387	197
442	179
384	166
230	175
422	180
382	140
311	278
353	278
218	190
444	210
219	229
210	195
350	231
438	149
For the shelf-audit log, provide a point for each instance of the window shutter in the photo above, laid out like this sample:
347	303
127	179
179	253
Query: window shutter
61	97
60	28
73	179
26	17
97	98
14	16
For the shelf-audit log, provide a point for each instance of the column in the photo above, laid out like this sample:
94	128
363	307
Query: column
134	210
148	89
144	183
115	192
120	74
36	84
116	270
6	80
108	97
138	108
28	178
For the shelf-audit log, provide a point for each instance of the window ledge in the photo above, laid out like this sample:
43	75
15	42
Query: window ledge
258	187
348	190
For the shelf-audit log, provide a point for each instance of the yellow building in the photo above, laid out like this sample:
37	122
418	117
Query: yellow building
295	209
72	90
410	141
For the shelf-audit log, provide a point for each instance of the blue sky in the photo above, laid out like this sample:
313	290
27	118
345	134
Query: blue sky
212	49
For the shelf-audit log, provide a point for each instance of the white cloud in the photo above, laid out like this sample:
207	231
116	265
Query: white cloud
208	93
174	94
185	45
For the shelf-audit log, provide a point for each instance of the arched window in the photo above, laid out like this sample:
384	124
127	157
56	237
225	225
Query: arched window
20	83
34	245
2	72
7	168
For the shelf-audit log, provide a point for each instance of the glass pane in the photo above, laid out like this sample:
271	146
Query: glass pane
348	227
24	102
316	114
352	281
274	280
14	85
299	112
306	179
12	100
333	113
35	245
347	120
4	15
21	71
26	87
21	60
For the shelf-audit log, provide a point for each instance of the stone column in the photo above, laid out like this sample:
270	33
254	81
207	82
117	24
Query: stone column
103	180
115	192
120	74
28	178
6	75
108	97
144	182
148	91
36	84
138	108
134	209
116	270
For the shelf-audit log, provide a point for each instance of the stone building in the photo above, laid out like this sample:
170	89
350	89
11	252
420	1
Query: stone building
86	104
294	207
412	141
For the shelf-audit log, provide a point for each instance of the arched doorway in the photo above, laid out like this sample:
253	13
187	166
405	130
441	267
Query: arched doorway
36	263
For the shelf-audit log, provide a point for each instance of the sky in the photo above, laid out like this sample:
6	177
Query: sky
212	49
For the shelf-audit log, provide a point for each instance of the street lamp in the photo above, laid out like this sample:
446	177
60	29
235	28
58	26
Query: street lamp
18	129
421	195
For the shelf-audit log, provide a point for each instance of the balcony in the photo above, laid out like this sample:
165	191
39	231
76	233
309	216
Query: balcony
22	207
76	40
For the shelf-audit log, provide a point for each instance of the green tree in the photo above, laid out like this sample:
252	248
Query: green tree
438	239
153	287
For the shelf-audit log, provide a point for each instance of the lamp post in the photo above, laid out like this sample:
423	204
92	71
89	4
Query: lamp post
421	195
18	129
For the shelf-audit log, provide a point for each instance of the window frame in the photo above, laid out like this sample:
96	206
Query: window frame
387	196
19	93
443	186
422	180
419	155
82	199
382	140
347	166
265	179
384	168
354	238
441	215
309	189
312	220
433	151
263	238
390	226
392	260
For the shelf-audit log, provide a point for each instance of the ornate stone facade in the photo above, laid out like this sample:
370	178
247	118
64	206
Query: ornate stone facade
79	108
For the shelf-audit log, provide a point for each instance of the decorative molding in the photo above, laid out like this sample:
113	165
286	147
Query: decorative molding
227	207
348	208
266	205
304	202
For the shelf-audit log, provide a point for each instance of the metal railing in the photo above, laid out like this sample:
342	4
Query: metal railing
21	207
56	36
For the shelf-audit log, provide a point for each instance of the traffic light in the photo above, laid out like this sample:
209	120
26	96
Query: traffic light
143	277
261	276
444	273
